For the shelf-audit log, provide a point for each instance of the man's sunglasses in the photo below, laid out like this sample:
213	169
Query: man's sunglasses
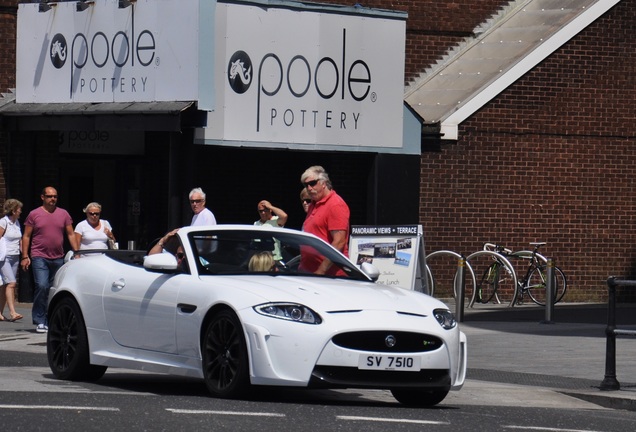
180	255
311	183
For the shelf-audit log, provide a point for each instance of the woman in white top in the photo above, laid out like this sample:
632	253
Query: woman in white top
11	234
93	232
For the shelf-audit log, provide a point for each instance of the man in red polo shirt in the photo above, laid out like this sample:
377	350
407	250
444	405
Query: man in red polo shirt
327	218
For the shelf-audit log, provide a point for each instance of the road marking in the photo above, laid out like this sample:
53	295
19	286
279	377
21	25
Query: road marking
537	428
58	407
390	420
240	413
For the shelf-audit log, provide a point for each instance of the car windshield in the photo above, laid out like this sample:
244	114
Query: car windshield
232	252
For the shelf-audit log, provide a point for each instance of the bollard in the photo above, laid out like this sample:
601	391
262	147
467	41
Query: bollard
610	382
550	289
460	289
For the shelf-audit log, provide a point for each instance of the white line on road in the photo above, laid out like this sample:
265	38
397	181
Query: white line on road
537	428
389	420
239	413
58	407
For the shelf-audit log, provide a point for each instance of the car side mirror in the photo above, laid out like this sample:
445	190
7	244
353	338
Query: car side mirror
161	263
370	270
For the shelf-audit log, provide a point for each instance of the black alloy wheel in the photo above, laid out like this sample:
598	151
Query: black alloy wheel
225	361
67	344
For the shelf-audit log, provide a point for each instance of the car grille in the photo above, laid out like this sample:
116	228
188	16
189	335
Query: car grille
335	376
388	341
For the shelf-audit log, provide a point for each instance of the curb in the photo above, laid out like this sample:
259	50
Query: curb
604	400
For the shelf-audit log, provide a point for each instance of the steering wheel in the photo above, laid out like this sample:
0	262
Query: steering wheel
292	264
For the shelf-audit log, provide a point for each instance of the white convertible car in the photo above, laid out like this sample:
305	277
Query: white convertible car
239	306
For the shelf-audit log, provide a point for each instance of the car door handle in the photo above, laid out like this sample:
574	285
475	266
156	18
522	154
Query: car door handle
186	308
119	284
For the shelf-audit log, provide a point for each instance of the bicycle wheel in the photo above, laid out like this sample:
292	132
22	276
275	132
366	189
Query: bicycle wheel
535	285
487	287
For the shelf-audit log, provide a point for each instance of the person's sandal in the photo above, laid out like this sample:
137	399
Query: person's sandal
15	317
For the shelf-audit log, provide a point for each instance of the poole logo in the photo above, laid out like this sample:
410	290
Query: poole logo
239	72
58	51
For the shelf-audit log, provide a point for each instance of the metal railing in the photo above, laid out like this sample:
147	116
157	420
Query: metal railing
610	382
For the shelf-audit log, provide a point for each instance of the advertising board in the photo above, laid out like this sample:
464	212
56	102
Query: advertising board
307	77
153	50
397	251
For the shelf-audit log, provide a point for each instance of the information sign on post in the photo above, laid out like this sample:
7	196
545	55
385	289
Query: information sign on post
396	250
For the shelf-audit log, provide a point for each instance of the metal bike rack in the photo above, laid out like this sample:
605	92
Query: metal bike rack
457	256
506	263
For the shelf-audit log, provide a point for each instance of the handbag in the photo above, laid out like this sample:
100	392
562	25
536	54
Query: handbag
3	248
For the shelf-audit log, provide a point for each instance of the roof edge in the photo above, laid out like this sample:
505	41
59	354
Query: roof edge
451	122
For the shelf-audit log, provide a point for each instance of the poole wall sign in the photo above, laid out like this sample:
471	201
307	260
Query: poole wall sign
307	76
111	54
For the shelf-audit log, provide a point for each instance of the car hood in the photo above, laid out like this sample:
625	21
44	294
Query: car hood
333	295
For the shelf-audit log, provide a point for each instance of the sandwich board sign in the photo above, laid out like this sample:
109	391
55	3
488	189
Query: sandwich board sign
397	251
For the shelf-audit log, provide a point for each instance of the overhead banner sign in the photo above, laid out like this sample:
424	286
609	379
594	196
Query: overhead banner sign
151	50
307	77
396	250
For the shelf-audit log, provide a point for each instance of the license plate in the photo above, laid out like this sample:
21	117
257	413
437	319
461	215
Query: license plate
388	362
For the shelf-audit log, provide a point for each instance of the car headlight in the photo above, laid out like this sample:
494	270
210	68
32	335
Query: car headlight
289	312
445	318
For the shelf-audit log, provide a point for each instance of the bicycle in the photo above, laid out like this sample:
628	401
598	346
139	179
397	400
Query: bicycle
533	283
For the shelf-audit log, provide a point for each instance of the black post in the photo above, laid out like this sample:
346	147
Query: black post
610	382
550	289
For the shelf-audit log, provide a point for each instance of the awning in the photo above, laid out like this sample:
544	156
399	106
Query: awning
147	116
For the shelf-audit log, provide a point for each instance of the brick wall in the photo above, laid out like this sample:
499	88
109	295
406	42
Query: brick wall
551	159
8	16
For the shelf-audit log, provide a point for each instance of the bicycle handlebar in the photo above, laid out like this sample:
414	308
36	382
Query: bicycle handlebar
496	248
537	245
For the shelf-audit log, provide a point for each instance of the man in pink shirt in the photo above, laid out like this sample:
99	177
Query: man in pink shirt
43	237
327	218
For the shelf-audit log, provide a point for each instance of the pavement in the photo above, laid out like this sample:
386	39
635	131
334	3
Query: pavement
566	353
515	355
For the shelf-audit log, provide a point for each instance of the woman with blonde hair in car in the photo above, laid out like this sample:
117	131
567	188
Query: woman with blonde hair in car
262	262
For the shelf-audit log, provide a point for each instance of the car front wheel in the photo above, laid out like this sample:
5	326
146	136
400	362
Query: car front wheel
67	344
225	362
419	398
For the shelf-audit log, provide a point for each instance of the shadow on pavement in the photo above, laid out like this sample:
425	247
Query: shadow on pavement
588	313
